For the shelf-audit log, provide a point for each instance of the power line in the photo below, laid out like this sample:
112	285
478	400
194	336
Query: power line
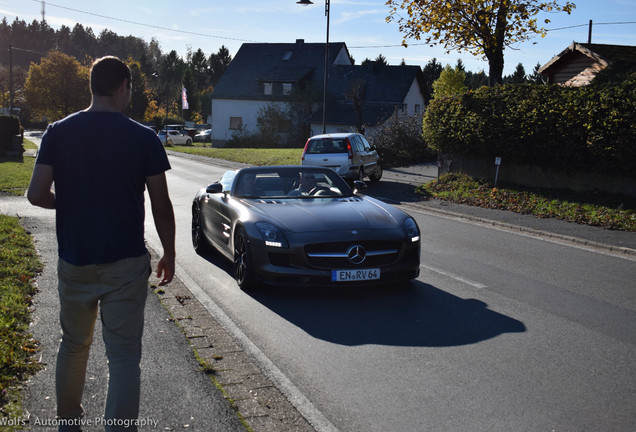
586	25
146	25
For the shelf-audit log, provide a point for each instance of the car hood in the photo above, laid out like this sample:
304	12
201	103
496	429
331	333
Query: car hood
315	215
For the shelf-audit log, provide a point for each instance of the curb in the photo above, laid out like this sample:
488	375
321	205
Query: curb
259	403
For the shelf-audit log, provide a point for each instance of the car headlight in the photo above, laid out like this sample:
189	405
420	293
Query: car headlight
412	231
272	235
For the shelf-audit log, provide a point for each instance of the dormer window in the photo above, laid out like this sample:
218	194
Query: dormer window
287	56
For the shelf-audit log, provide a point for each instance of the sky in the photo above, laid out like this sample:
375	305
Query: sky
361	24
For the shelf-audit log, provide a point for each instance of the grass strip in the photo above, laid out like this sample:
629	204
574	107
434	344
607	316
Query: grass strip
19	264
589	208
252	156
15	172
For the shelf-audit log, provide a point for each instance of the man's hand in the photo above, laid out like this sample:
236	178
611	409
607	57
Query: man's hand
165	270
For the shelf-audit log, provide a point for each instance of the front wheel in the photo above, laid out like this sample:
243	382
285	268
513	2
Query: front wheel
199	242
243	269
188	142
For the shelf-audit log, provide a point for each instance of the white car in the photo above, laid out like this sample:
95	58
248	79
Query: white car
174	137
348	154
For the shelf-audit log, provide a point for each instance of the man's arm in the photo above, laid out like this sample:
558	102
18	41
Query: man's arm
163	215
39	192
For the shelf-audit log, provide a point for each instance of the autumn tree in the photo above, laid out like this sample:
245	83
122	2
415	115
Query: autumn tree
480	27
58	86
450	82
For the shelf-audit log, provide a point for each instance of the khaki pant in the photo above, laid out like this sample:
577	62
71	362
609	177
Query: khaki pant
120	289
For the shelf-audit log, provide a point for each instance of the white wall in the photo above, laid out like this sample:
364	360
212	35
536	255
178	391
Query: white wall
223	109
414	97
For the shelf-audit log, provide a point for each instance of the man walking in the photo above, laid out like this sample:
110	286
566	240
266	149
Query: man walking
101	162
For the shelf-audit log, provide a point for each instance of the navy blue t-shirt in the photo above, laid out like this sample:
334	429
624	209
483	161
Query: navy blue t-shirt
100	162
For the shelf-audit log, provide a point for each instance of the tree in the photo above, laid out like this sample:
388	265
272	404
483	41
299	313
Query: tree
58	86
536	77
430	73
171	73
218	63
518	77
480	27
139	97
450	82
355	91
475	80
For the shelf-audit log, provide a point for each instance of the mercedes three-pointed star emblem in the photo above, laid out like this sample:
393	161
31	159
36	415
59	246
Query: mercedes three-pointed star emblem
356	254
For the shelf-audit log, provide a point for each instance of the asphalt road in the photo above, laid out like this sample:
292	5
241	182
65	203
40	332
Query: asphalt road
502	331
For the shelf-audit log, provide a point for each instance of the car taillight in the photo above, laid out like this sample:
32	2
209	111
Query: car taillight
304	150
349	150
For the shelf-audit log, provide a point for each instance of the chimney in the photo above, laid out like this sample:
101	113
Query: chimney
300	41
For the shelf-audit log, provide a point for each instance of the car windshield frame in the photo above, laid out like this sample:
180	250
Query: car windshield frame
286	182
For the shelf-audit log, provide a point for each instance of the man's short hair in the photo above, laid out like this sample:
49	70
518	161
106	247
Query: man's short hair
107	74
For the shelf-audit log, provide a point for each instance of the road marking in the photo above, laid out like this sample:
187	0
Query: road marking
454	276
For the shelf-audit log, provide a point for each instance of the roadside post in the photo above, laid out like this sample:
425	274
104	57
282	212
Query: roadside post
497	164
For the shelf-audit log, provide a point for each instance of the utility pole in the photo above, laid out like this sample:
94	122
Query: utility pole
10	81
589	34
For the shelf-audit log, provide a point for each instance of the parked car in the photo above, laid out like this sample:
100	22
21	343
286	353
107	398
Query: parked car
348	154
204	136
171	137
303	226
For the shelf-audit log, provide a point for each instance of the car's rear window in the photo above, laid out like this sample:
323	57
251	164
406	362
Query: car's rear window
327	145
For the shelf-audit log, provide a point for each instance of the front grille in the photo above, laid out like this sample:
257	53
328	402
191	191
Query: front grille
334	255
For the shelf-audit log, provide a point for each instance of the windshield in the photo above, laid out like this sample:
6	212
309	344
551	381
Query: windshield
293	183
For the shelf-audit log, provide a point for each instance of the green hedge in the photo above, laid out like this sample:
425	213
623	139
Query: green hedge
569	129
9	127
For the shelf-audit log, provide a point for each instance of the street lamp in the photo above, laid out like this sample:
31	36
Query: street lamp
324	87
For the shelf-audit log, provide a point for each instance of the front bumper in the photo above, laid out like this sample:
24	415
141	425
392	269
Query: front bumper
293	266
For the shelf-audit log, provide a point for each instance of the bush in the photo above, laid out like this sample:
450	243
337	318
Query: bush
400	142
568	129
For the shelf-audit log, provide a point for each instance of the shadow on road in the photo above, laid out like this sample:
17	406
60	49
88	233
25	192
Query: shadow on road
415	314
393	191
420	315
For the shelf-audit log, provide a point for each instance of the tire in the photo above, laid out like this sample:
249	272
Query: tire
377	174
199	242
188	142
243	269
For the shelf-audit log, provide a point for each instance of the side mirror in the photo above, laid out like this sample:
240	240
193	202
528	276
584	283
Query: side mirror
358	186
214	188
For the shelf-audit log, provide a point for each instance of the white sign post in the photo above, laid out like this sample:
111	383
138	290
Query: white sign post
497	163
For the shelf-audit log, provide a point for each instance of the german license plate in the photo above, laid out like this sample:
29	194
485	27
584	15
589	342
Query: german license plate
355	275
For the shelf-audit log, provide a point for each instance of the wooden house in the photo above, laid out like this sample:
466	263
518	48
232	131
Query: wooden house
579	63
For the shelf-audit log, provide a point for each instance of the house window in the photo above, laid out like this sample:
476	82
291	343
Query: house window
287	88
268	86
417	108
404	108
236	123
